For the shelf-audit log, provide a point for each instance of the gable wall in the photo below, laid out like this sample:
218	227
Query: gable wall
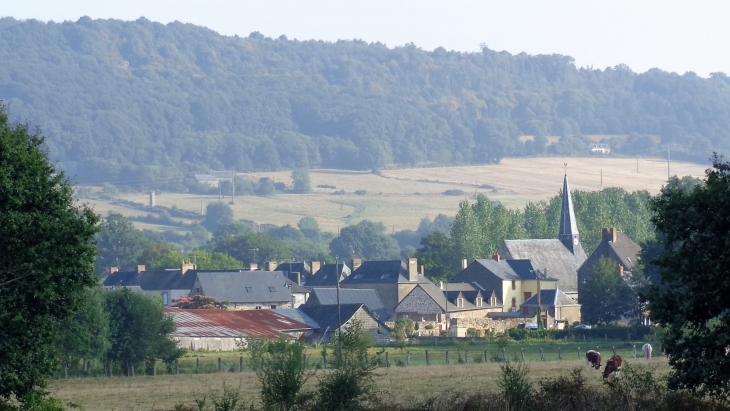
418	304
369	324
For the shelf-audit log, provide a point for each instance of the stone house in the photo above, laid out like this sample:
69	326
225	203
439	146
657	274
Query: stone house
327	318
328	296
430	303
560	308
168	285
392	280
615	246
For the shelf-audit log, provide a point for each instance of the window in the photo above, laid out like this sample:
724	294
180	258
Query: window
273	306
165	299
249	289
258	307
527	295
272	289
459	302
514	302
493	302
514	284
479	302
197	290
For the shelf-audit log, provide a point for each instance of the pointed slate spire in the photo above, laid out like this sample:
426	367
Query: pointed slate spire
568	234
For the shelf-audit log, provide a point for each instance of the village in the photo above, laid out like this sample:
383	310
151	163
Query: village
311	301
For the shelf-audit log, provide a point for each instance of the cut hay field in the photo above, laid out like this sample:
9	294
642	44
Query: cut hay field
399	384
400	198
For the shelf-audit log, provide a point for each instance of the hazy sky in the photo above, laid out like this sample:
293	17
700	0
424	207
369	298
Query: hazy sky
671	35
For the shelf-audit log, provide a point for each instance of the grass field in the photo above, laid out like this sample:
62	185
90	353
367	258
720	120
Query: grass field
400	198
401	383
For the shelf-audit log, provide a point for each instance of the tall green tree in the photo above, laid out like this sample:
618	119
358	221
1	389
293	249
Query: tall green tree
47	258
85	335
366	240
217	214
301	181
437	256
606	296
690	296
119	244
139	330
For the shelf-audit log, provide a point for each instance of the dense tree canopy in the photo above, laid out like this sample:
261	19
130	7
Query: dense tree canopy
144	104
690	296
46	262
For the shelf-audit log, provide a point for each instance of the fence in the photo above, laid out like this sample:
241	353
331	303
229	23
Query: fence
451	355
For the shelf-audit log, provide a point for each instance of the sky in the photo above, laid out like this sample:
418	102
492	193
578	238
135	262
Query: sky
676	36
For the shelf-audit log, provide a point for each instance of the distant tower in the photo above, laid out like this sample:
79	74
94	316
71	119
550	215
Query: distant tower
568	234
152	199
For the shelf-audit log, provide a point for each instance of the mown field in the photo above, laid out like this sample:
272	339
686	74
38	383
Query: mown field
400	383
400	198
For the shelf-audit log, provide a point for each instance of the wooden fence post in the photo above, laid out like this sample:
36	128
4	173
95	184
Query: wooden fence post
559	356
387	361
197	365
466	356
579	356
240	364
427	357
613	347
447	357
220	365
65	369
485	355
523	354
504	355
542	356
634	350
177	367
408	358
154	368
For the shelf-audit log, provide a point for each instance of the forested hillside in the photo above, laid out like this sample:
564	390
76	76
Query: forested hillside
147	104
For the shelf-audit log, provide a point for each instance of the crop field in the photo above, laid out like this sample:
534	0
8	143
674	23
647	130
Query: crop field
399	382
400	198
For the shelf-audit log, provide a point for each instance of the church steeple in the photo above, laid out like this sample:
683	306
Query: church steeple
568	234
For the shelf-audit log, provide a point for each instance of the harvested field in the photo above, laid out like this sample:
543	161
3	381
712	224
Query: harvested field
400	198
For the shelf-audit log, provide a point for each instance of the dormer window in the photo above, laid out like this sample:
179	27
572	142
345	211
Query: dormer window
459	302
249	289
478	302
493	302
272	289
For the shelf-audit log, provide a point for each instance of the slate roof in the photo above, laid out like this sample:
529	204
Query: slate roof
555	298
326	275
383	272
226	323
469	292
328	296
302	268
511	269
548	254
297	315
153	280
326	315
246	286
626	249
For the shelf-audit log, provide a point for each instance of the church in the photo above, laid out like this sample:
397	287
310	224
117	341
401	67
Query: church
556	258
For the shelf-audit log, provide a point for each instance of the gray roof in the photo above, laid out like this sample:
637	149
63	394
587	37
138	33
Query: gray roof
325	276
626	249
383	272
555	298
511	269
328	296
467	291
152	280
297	315
548	254
326	315
301	267
246	286
568	224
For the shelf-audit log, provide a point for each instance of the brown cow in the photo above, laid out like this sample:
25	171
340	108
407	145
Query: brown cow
593	359
613	365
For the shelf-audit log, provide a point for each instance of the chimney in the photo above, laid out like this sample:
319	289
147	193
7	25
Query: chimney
253	266
113	270
356	263
609	234
423	270
270	265
441	285
496	257
613	234
412	269
140	268
621	270
463	263
187	266
297	277
316	265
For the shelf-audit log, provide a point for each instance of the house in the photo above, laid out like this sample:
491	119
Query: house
166	284
328	296
249	290
224	330
557	258
326	275
431	303
328	319
615	246
555	305
511	281
599	148
392	280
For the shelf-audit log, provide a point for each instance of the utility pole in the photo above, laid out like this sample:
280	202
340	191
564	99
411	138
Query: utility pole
201	205
601	177
233	185
220	190
669	156
339	312
637	164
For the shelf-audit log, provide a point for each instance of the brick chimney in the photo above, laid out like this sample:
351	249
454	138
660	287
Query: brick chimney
185	267
412	269
496	257
113	270
315	266
356	263
609	234
464	263
296	276
140	268
422	271
621	270
270	265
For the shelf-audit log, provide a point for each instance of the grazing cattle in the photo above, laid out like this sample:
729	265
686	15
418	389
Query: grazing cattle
646	349
613	365
593	359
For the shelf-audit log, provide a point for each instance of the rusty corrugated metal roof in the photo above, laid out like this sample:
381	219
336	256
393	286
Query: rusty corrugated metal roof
225	323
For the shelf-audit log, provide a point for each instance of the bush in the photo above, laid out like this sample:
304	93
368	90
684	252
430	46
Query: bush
515	386
454	192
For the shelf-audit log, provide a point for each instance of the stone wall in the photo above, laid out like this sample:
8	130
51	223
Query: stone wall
495	325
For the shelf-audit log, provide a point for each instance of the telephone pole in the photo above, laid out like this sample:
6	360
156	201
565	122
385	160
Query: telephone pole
669	157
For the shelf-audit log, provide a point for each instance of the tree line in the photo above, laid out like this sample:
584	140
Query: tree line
145	105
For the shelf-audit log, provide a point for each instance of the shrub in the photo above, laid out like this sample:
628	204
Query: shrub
515	386
454	192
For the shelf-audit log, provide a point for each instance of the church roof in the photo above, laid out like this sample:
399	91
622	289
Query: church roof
548	254
568	224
